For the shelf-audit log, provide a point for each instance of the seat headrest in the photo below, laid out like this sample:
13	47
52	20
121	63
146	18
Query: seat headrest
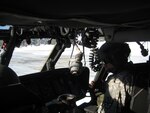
7	76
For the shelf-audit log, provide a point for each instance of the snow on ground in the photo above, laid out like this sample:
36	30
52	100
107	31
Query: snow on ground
29	59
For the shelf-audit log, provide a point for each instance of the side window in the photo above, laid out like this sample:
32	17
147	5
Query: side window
136	52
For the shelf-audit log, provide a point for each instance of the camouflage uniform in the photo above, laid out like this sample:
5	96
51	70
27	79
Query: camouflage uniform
118	93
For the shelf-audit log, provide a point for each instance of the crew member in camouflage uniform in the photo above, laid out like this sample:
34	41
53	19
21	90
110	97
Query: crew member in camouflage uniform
118	85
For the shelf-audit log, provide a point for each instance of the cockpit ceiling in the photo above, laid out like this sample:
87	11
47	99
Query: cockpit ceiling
74	14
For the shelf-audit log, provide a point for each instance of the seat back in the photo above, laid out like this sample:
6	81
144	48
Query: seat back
14	97
139	102
7	76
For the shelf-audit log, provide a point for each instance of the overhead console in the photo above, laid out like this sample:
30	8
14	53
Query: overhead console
116	34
